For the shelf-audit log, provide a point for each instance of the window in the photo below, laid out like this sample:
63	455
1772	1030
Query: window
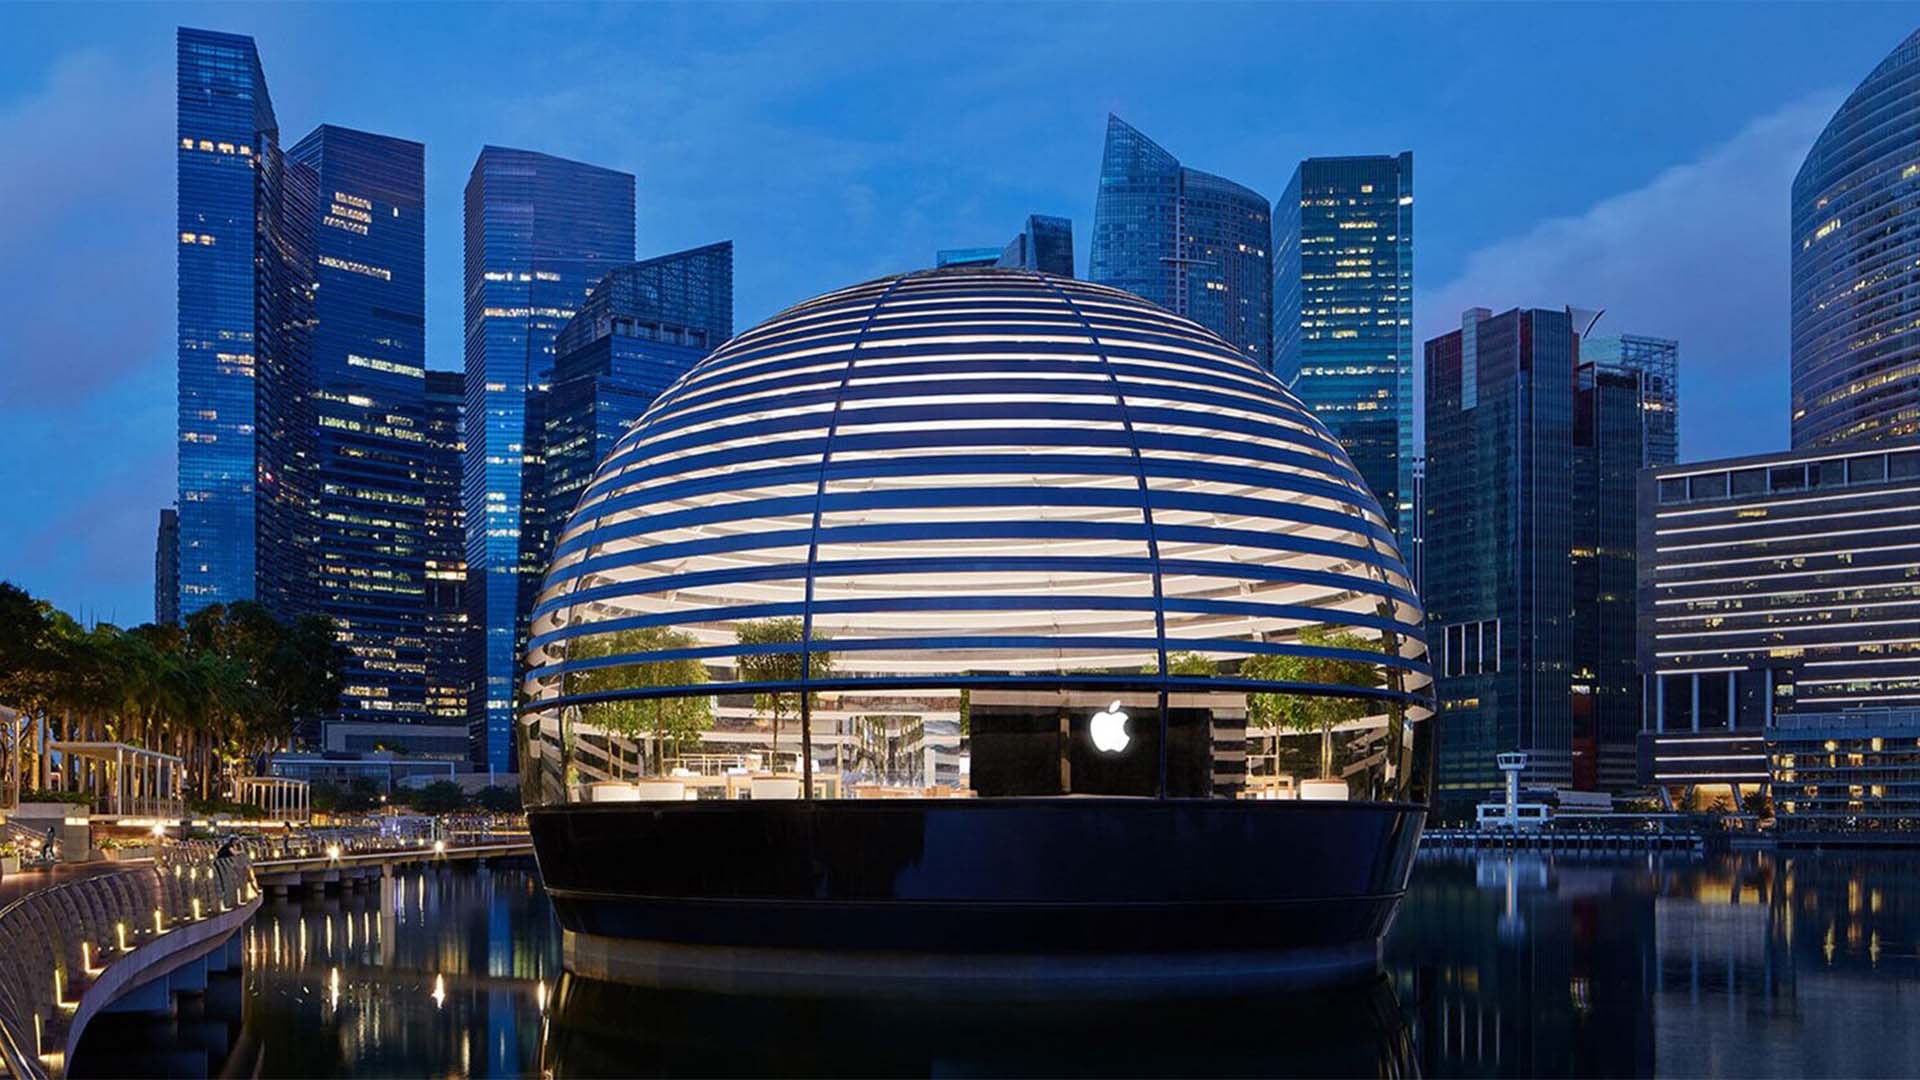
1673	490
1903	465
1787	477
1750	482
1711	486
1828	473
1866	470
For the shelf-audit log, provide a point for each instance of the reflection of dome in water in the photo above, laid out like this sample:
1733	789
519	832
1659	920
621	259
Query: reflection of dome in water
908	539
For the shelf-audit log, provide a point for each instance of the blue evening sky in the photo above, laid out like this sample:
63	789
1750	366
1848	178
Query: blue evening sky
1632	157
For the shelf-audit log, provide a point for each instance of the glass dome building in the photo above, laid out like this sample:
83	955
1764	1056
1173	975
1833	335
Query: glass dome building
975	613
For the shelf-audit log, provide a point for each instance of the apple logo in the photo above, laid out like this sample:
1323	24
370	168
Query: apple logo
1109	730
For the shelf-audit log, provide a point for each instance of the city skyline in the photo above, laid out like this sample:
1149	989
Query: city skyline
1540	221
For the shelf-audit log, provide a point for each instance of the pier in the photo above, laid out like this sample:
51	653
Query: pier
344	869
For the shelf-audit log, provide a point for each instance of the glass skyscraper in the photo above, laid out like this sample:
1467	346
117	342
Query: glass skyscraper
444	547
367	348
1194	243
642	328
1532	457
1657	363
1045	244
1343	312
244	230
166	569
1856	240
540	231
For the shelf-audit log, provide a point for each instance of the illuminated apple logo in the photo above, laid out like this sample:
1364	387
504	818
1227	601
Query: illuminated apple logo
1109	730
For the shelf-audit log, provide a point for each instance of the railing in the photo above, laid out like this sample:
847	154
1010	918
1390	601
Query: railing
57	942
1840	720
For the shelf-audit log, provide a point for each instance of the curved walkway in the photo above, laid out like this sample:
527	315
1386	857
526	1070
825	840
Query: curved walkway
74	939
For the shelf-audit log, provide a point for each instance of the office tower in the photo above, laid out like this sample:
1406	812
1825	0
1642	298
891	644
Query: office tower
444	549
367	370
1657	362
1343	312
1777	612
1192	242
245	281
540	231
1856	228
166	569
1416	551
1044	244
1531	458
644	325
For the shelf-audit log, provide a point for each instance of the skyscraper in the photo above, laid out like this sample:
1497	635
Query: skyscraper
244	230
367	371
166	569
1343	312
1856	232
1532	457
444	548
1045	244
540	231
1194	243
1657	363
644	325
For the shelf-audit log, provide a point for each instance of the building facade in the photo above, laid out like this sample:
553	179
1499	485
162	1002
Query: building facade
645	325
1779	631
245	295
444	548
1780	583
1045	244
1531	456
540	231
1656	361
367	373
1192	242
166	569
1343	312
1856	240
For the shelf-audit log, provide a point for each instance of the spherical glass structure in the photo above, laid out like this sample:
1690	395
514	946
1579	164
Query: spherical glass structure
982	533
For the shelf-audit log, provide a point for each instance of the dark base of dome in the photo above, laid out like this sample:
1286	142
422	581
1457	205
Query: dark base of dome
1000	895
950	976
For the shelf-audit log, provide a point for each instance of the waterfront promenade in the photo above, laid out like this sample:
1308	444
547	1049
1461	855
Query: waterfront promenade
80	940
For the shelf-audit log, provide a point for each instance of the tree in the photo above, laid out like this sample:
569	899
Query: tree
1308	710
670	720
497	799
1187	663
439	797
771	663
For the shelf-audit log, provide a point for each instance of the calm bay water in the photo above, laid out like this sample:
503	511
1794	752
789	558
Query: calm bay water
1500	965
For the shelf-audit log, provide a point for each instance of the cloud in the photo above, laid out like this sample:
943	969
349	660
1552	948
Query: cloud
1699	253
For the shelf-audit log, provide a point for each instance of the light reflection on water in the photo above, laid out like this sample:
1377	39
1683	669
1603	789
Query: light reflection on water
439	972
1499	965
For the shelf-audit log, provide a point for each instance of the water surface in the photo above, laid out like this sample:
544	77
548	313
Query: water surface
1526	964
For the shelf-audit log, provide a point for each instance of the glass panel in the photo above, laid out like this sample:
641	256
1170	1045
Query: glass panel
1750	482
1866	470
1710	486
